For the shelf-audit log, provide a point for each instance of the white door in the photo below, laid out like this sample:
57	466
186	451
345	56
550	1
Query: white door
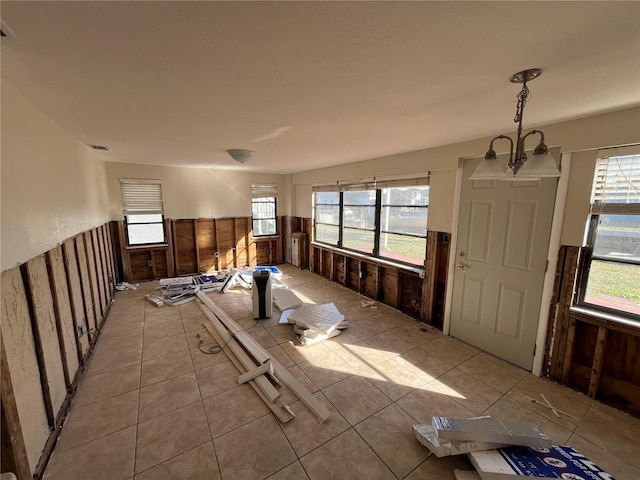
501	257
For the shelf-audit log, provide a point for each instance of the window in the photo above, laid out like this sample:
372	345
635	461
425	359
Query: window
611	275
385	219
264	209
143	212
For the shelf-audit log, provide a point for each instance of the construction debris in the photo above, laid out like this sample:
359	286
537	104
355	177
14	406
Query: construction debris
536	463
504	450
427	436
491	430
314	323
154	299
548	405
285	299
126	286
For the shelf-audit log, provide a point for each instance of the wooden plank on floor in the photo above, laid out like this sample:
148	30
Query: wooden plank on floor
46	331
318	408
62	304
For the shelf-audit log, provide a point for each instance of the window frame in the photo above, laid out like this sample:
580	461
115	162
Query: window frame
254	220
378	186
599	208
152	205
260	191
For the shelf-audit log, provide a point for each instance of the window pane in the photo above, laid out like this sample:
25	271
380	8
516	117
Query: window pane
328	214
144	218
614	285
411	220
618	237
360	197
406	196
327	234
145	233
360	240
328	197
264	227
360	217
405	249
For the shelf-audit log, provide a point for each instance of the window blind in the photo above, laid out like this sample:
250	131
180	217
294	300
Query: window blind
370	184
616	185
141	196
262	190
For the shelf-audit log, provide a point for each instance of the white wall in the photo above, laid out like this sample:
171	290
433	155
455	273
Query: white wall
196	192
53	186
591	133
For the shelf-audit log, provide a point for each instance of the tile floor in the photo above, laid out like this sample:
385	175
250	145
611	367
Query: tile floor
151	406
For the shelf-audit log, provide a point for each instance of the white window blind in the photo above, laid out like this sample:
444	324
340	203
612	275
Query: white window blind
616	187
262	190
141	196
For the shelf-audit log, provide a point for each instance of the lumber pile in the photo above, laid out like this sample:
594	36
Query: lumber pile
504	450
261	371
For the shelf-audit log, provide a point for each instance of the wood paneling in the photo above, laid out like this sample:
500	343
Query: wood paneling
75	293
596	356
46	334
225	234
93	278
141	263
184	241
206	243
20	365
64	314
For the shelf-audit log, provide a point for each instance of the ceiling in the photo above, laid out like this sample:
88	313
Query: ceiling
312	84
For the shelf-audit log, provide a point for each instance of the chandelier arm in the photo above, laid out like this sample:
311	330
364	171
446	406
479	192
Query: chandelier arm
491	154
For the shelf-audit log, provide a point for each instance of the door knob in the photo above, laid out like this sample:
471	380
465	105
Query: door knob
461	253
462	267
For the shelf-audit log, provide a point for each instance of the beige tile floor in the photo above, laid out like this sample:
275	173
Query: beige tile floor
151	406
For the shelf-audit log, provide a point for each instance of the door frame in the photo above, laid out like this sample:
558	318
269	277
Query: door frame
552	256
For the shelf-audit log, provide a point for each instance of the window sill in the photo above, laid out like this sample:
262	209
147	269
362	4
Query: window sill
266	237
605	318
380	261
147	246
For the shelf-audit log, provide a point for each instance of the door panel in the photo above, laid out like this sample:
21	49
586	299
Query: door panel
503	237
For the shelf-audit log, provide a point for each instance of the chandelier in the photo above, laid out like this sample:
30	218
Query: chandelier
540	165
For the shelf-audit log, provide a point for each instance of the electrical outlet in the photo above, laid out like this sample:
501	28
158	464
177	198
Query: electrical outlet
79	331
216	254
150	263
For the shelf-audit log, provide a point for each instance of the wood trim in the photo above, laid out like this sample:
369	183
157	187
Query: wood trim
281	412
321	412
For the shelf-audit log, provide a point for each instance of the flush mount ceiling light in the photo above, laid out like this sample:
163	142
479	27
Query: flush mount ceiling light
240	155
541	164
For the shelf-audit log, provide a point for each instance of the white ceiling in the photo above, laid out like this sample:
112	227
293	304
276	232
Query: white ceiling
312	84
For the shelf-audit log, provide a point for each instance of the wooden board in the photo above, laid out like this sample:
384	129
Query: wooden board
389	286
85	283
75	292
47	331
242	228
206	243
140	265
225	234
184	241
93	278
160	265
410	291
93	248
61	300
104	266
19	349
106	234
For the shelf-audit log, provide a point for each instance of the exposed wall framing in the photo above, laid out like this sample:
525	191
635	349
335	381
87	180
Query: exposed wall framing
48	306
396	286
595	356
202	245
